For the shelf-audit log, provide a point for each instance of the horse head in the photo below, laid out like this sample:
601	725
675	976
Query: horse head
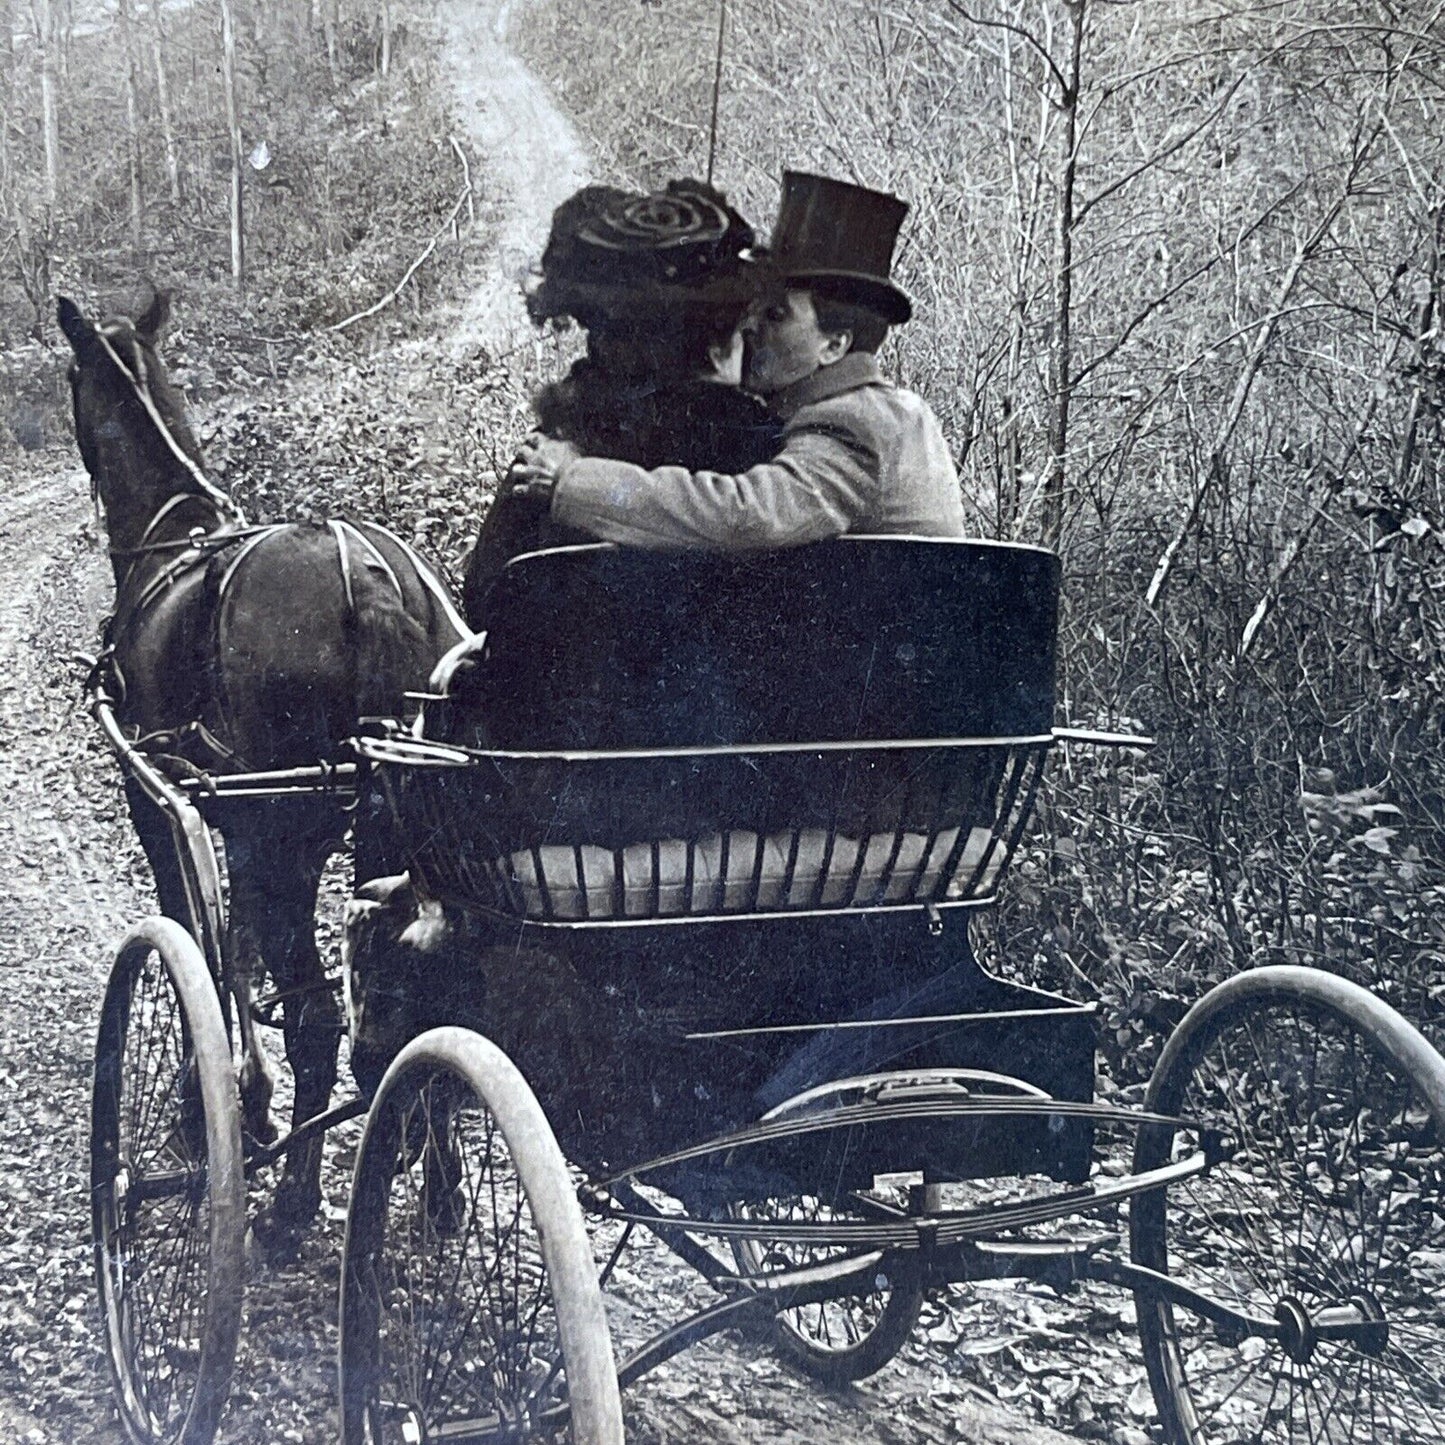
132	431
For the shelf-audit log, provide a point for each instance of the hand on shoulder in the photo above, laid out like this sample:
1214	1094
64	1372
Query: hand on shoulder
538	464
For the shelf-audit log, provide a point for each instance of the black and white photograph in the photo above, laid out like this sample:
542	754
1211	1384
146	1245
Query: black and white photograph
722	721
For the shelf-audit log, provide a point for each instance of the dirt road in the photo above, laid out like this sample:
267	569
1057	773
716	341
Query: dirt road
533	157
74	879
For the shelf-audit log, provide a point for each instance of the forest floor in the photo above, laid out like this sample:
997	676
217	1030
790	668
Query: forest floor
991	1365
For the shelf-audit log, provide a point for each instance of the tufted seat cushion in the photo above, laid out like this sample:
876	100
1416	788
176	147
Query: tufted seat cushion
559	881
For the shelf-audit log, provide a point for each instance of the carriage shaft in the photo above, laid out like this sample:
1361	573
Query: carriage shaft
262	1155
195	852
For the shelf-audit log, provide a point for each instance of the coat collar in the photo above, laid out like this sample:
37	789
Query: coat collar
858	368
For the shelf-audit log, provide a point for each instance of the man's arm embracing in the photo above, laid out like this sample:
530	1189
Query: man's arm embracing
824	479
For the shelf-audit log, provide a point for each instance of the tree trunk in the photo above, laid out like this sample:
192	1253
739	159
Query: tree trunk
132	125
328	29
1060	354
7	88
43	14
34	257
385	38
163	98
1013	510
233	125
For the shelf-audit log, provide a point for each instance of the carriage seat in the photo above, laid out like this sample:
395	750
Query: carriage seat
853	724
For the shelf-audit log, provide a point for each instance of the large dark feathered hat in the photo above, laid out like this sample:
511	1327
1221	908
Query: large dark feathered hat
612	252
841	234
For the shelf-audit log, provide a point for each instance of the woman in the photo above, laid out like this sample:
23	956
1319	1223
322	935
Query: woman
660	284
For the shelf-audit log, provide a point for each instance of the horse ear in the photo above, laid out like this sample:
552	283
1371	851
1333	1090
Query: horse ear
154	319
79	332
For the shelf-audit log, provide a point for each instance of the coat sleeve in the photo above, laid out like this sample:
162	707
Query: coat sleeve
823	480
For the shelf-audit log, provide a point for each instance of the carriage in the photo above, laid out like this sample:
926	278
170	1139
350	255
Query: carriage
708	832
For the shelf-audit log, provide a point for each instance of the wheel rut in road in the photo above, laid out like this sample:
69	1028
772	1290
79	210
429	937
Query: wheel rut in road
70	888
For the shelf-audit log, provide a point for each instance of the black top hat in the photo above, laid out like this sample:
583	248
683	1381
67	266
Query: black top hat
830	230
612	251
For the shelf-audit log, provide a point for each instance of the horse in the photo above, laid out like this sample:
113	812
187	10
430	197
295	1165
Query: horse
244	649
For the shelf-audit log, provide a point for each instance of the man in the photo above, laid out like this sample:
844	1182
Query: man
858	453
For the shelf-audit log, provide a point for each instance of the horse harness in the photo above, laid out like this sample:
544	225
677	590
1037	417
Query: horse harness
205	549
201	547
231	521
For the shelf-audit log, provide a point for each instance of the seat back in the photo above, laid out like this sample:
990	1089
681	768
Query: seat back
854	725
861	639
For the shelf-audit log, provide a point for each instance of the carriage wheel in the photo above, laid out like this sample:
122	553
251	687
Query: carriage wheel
838	1340
469	1292
853	1336
1332	1199
167	1189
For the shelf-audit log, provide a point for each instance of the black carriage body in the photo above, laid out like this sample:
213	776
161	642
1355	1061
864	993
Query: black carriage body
715	821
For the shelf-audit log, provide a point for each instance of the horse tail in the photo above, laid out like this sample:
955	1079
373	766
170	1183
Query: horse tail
393	651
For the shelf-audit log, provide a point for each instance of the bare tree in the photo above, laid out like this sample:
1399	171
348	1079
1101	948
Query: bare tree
7	87
163	101
45	20
233	127
329	10
126	23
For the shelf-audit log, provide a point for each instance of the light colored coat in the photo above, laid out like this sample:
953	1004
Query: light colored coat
859	454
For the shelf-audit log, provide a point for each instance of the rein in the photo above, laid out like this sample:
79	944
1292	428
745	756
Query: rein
145	547
195	547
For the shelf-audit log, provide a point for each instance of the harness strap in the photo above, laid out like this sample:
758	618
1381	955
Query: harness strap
254	539
343	557
167	507
172	737
220	535
162	581
428	580
352	530
191	549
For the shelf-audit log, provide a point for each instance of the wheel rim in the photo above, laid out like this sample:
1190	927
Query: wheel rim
446	1284
1331	1200
151	1201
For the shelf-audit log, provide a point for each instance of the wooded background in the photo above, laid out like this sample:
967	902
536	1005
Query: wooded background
1177	266
277	162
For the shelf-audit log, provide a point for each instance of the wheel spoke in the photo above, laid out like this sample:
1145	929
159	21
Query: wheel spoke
841	1339
458	1295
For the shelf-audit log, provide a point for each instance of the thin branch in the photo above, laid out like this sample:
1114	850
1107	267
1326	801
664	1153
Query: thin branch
1295	545
1021	32
466	179
1265	334
410	270
1170	292
1162	154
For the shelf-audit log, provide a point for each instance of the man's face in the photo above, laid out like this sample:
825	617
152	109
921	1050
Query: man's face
784	342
